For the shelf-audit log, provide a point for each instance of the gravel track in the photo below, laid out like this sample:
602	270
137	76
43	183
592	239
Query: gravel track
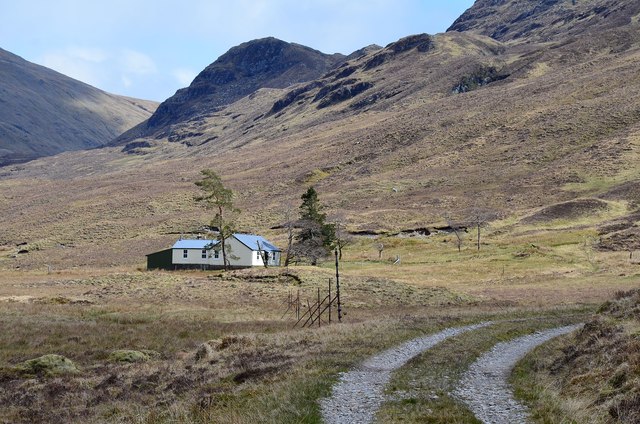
484	387
360	392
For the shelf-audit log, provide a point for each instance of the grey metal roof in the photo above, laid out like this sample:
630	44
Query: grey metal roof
194	244
251	241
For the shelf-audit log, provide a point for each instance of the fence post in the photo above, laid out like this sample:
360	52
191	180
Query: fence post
330	301
319	310
338	288
298	305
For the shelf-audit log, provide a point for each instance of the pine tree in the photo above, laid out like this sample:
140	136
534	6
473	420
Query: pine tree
219	198
316	237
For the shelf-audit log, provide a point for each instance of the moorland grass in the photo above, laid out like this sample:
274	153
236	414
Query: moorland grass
256	366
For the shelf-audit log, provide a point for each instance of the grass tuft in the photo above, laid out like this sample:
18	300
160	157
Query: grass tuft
47	366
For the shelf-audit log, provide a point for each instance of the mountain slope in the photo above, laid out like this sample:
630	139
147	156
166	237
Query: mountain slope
401	137
513	20
43	112
263	63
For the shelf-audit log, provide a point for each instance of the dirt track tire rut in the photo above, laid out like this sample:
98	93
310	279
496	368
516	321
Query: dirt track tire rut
360	392
484	388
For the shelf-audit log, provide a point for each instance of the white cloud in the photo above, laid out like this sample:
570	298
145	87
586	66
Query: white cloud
184	76
87	54
118	71
137	63
84	64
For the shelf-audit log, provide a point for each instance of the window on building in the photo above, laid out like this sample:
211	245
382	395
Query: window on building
216	254
204	254
185	253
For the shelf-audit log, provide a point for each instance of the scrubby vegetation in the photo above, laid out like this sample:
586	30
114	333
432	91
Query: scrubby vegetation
594	376
188	347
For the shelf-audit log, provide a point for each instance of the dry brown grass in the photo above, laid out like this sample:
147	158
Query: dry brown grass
225	354
591	377
220	342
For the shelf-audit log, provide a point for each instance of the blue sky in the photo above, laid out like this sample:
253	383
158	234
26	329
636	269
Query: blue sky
149	49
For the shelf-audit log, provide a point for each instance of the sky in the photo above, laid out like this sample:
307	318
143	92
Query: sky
150	48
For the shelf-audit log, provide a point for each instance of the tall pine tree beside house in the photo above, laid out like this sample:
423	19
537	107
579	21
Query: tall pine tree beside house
316	238
219	198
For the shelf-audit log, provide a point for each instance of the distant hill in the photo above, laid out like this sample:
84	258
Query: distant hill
263	63
43	112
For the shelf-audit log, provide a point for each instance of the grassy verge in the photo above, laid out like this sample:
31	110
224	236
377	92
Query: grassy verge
591	377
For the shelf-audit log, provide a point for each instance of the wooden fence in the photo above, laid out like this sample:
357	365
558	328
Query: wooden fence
314	312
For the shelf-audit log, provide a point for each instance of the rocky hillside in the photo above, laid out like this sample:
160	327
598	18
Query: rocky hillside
546	20
264	63
43	112
400	137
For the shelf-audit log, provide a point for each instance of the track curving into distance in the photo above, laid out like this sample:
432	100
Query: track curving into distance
360	392
484	388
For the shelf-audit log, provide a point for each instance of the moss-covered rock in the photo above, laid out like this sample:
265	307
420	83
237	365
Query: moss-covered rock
47	365
126	355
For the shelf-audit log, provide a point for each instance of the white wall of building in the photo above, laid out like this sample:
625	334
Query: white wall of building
238	254
193	257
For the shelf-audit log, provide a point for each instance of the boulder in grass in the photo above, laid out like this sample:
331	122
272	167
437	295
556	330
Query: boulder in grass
47	365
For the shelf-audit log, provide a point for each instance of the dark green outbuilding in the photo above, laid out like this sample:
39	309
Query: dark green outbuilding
160	260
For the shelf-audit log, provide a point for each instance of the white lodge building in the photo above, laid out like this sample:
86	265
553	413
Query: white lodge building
243	251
